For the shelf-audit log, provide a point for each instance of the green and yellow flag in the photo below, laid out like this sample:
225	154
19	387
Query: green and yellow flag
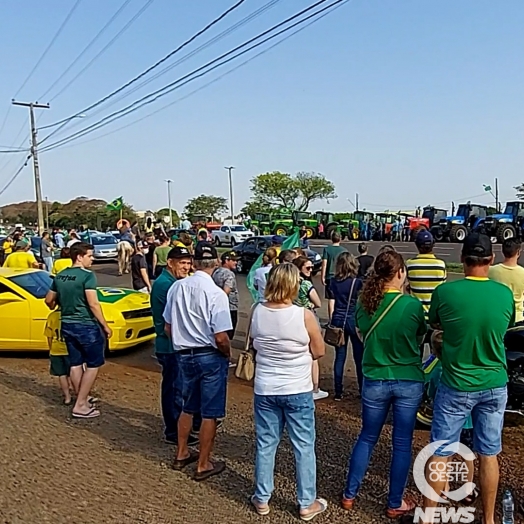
291	242
116	205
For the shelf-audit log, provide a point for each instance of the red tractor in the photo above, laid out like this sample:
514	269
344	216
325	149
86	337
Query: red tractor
413	225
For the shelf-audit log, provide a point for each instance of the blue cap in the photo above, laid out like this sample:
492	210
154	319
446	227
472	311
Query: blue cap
277	239
424	239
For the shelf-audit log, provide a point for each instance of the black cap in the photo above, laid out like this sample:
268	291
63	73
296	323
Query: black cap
228	255
205	251
477	245
179	252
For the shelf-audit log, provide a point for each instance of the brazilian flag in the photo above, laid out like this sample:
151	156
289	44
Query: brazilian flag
116	205
291	242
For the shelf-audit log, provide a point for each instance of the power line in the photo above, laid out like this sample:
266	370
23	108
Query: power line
149	69
106	47
177	84
15	176
87	47
46	50
218	78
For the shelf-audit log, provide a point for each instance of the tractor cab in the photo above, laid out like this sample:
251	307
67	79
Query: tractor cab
505	225
434	214
467	218
262	221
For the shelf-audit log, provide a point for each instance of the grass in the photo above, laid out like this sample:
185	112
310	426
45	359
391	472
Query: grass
454	267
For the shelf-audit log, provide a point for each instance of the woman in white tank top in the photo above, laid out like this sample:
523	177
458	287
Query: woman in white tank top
286	338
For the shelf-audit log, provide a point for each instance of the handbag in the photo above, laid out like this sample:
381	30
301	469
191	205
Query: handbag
334	336
379	319
245	369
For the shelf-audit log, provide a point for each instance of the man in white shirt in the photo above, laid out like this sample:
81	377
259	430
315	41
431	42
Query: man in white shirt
198	320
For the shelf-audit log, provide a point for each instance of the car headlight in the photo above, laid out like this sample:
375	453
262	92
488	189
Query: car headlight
317	257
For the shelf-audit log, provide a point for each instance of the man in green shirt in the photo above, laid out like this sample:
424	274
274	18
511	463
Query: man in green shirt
329	262
84	327
474	314
179	263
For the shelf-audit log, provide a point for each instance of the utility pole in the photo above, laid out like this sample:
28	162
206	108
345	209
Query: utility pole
34	153
497	195
356	201
230	169
47	213
169	182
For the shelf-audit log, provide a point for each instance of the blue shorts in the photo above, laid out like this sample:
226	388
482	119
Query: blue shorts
85	343
453	407
204	376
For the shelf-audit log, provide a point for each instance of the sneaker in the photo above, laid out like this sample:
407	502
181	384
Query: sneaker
337	397
320	394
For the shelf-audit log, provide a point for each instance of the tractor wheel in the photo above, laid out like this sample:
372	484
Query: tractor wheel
281	231
329	231
505	231
310	232
458	234
437	233
416	231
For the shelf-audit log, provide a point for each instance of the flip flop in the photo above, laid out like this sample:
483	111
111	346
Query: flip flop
180	464
218	467
93	400
310	516
68	403
94	413
471	498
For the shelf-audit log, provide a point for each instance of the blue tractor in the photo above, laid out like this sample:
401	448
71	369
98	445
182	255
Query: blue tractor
455	228
504	225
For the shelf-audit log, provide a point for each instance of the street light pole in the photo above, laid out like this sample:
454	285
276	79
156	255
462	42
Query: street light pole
169	182
230	169
34	154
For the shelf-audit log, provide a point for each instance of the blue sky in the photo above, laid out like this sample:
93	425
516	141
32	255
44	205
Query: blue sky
406	102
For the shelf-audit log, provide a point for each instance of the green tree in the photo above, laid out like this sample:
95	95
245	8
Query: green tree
297	192
207	205
254	206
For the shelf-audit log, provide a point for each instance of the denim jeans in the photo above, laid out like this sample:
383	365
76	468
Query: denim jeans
48	263
340	360
297	414
404	396
85	344
171	395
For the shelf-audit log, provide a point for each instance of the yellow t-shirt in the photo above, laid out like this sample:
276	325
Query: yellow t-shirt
52	330
20	260
7	247
61	263
513	277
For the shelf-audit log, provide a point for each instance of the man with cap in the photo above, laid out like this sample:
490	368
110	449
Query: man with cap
139	273
179	263
225	278
425	272
474	314
198	320
276	242
21	258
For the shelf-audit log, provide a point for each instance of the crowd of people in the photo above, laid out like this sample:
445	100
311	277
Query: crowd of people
386	310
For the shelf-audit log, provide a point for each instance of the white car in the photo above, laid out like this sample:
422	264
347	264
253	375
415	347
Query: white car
231	235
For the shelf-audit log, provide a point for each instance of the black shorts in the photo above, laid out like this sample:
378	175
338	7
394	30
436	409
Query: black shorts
328	294
60	366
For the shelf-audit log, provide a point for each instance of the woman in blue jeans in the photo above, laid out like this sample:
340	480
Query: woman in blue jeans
286	338
391	325
346	287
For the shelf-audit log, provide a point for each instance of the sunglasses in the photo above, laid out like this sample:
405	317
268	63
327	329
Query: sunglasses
308	267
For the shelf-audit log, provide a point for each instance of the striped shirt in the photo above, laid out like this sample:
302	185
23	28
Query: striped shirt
425	273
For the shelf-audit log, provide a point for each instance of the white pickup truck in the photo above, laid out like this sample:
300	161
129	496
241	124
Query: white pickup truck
231	235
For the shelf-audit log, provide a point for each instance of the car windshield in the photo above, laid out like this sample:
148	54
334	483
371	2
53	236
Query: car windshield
102	240
238	228
36	283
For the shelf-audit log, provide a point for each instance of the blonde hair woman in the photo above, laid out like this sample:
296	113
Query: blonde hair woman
287	339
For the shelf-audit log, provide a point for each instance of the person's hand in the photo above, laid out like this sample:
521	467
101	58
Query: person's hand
107	331
323	281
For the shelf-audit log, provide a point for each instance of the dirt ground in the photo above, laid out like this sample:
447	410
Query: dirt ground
116	469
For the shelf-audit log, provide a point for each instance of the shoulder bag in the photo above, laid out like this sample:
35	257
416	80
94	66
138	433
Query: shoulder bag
334	336
245	369
379	319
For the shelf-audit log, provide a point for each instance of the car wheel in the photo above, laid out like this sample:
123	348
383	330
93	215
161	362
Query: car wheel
240	266
217	242
233	242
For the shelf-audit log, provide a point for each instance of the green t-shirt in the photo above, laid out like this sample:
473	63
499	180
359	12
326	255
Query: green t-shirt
304	291
158	303
161	255
392	350
330	254
474	315
70	285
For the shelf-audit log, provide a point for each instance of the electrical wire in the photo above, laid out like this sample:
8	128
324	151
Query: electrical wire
106	47
4	151
218	78
149	69
88	46
177	84
15	176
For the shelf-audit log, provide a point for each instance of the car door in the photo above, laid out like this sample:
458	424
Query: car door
15	330
261	245
249	253
226	234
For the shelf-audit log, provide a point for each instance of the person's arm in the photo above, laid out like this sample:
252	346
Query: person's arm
50	298
34	263
323	272
313	296
223	343
229	284
316	342
167	330
155	260
143	273
96	309
221	323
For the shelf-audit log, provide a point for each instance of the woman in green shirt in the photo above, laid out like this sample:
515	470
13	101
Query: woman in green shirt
160	256
390	325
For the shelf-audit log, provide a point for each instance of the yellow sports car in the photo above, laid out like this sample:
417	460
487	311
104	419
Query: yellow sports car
23	313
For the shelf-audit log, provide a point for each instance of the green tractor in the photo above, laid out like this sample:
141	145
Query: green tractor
304	218
365	220
262	222
281	223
